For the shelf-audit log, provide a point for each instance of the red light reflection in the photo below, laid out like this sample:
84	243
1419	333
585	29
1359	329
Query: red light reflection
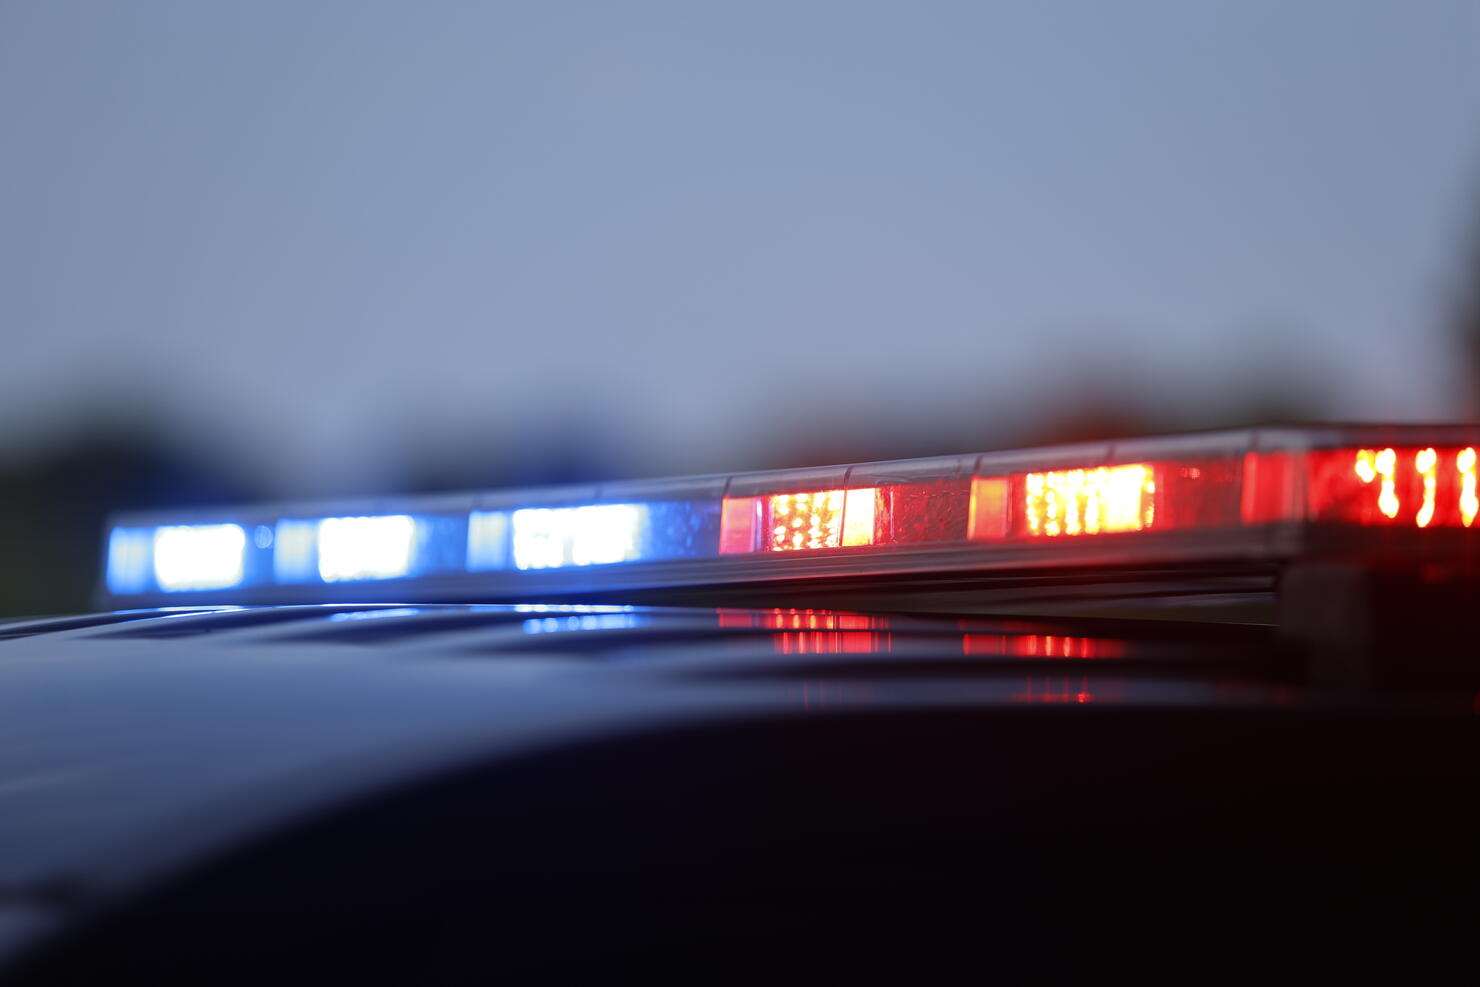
819	632
1056	690
830	642
1040	646
801	620
815	632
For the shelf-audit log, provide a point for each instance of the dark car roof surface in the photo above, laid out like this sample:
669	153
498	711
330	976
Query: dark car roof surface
137	747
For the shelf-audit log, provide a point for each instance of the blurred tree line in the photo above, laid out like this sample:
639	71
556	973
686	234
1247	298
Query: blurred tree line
52	510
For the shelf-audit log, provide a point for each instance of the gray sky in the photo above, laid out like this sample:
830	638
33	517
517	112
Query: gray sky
297	228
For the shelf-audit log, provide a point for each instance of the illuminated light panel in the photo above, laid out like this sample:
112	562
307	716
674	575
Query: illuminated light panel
1372	465
1180	494
1419	487
199	556
599	534
820	519
1469	503
989	508
356	548
1088	502
1427	462
739	518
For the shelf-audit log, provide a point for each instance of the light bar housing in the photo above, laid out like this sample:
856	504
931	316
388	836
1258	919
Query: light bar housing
1272	495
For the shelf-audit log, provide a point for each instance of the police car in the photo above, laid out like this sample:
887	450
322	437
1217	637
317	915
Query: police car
1199	707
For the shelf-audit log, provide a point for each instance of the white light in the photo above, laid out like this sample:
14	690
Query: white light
365	547
539	538
198	556
601	534
606	533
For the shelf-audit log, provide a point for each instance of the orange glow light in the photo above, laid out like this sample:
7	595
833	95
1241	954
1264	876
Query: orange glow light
820	519
1469	503
1427	464
1074	502
1372	465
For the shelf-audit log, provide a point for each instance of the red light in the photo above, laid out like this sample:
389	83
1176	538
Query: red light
814	632
1055	691
1269	487
830	643
1417	487
801	620
739	520
1040	646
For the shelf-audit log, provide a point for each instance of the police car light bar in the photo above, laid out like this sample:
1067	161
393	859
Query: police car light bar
1261	495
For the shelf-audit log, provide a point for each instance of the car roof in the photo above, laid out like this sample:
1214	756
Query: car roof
135	744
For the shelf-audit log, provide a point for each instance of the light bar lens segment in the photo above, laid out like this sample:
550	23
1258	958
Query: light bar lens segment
1395	486
354	548
819	519
1201	492
598	534
1087	502
130	560
488	541
199	556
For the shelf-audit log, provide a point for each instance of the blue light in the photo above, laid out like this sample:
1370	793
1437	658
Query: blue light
363	548
585	622
294	552
304	552
130	558
379	614
199	556
599	534
488	541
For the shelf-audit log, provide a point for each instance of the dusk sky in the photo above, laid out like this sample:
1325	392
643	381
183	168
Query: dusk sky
295	231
